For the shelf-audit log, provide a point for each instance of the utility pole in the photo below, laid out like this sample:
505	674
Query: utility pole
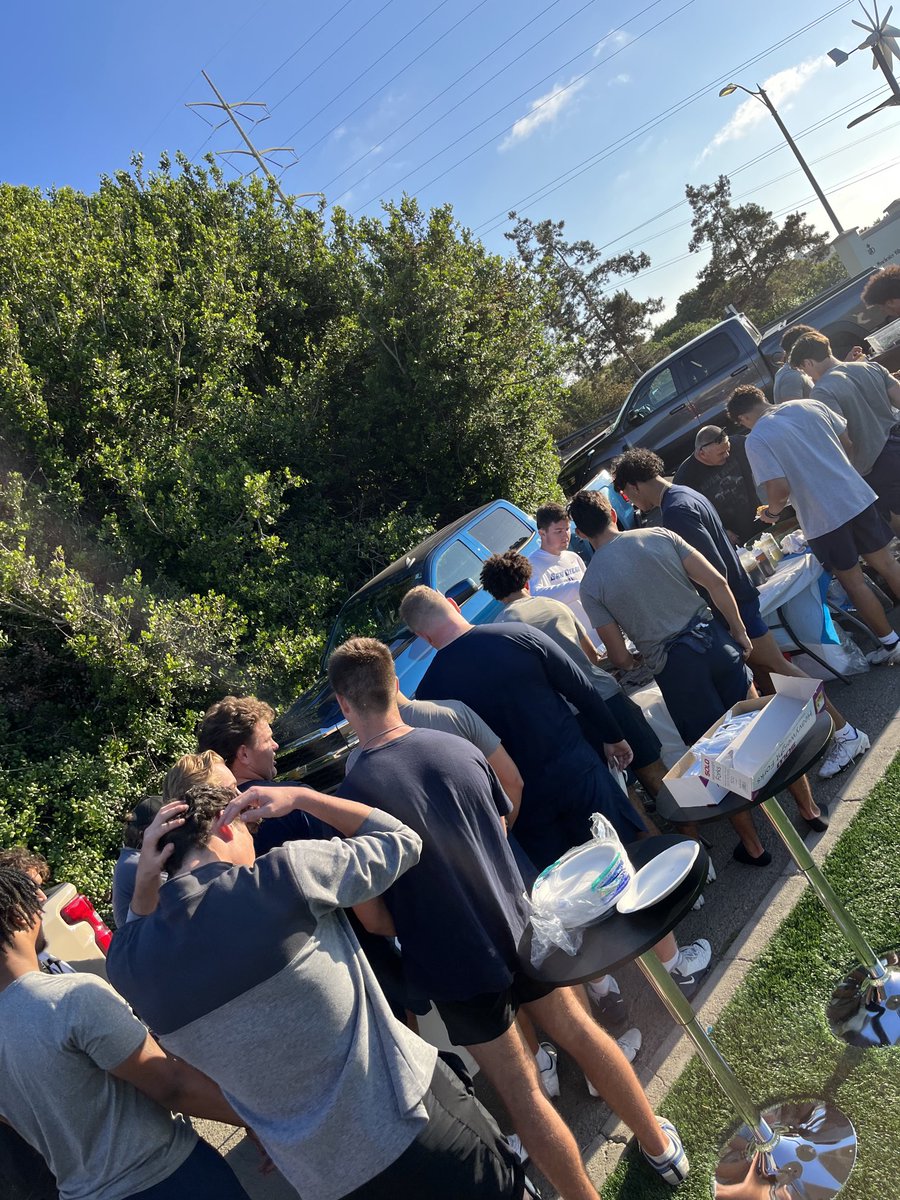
231	112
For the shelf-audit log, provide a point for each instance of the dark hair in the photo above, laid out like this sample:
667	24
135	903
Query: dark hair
362	670
791	335
885	285
591	512
19	904
636	466
744	399
229	725
20	858
812	345
504	574
549	514
205	803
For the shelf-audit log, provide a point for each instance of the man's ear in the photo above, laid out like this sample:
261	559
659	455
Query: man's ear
220	830
342	704
455	605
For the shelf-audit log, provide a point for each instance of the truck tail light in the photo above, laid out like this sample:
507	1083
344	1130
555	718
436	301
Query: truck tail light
80	908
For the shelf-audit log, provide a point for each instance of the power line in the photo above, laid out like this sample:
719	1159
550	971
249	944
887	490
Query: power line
375	62
646	127
450	86
302	46
521	96
329	57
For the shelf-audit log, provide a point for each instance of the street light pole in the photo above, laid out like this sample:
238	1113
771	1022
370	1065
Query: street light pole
763	97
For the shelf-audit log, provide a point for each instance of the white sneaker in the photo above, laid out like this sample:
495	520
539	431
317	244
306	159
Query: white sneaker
692	962
548	1067
884	655
848	743
629	1043
711	873
698	904
601	989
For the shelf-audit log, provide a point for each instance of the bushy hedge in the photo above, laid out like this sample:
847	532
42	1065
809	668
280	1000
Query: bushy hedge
216	420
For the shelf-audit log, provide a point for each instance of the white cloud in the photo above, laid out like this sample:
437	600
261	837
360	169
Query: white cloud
617	40
542	111
340	132
752	112
619	80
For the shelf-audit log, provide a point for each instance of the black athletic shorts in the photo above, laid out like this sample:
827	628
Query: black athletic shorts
840	549
488	1016
459	1154
636	730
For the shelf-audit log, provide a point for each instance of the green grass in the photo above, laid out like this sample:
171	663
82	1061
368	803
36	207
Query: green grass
774	1033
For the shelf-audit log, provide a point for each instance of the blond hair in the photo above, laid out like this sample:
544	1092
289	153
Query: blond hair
191	770
423	608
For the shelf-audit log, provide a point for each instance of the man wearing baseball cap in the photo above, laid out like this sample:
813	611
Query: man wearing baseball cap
719	470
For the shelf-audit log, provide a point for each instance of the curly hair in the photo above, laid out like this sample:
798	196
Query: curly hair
885	285
744	399
20	858
205	803
229	725
19	904
636	466
504	574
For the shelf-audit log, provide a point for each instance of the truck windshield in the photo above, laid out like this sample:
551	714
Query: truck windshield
376	614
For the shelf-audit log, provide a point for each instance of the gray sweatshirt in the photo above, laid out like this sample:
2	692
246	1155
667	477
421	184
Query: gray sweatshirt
254	976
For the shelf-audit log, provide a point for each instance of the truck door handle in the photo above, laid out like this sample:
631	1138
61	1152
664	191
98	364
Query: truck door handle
740	370
678	408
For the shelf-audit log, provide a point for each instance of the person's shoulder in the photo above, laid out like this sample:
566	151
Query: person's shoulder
686	469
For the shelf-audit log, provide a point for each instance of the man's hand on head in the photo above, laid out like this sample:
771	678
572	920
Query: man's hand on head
153	857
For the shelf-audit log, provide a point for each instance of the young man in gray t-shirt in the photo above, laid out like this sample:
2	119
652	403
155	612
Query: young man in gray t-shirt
799	454
867	396
83	1082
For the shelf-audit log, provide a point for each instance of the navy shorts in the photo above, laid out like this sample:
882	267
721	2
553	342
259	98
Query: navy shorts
884	478
840	549
699	686
486	1017
204	1175
636	730
753	622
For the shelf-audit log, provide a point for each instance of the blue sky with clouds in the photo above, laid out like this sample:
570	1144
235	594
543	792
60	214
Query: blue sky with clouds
562	108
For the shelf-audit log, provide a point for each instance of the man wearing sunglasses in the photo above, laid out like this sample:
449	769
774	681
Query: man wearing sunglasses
719	470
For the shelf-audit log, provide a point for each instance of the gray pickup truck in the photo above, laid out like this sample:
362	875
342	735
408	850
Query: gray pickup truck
689	388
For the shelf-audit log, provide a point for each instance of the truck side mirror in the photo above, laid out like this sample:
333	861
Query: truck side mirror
636	418
460	592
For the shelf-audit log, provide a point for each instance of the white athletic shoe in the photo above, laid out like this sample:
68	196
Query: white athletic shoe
548	1067
629	1043
673	1166
711	873
848	743
884	655
691	964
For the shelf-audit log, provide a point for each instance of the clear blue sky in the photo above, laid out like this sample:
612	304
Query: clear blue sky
84	85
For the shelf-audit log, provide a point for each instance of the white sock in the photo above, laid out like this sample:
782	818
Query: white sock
543	1059
672	963
847	731
891	640
661	1158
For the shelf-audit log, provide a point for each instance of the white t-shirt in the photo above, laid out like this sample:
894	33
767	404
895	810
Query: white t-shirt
558	577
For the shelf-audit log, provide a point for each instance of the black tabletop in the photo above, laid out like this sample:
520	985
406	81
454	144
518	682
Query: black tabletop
619	939
808	751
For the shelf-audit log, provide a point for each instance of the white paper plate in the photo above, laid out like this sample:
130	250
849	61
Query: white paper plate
583	886
659	878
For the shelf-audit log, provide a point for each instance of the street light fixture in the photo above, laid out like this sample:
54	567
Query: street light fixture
882	41
761	95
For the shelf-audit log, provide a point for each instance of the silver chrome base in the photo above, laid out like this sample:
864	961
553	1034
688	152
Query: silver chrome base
864	1011
811	1159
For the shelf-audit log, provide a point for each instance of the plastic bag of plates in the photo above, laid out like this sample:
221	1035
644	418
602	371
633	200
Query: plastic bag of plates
577	890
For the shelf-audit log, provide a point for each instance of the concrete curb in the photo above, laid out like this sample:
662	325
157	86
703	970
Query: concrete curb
602	1155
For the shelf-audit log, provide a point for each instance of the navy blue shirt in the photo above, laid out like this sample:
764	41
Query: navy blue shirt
692	516
460	912
295	827
518	681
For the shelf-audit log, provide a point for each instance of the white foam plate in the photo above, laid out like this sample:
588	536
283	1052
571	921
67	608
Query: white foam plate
659	878
571	886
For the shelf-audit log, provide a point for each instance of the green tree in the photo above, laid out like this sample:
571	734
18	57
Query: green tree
747	247
218	418
586	315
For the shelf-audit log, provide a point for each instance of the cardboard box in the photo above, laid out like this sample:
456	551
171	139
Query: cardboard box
753	757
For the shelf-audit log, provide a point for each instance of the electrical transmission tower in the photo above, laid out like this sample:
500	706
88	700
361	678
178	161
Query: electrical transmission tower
263	157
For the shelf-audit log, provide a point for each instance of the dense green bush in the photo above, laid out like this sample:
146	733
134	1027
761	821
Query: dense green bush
216	420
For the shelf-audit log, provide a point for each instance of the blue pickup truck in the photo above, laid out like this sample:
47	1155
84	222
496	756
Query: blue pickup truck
313	735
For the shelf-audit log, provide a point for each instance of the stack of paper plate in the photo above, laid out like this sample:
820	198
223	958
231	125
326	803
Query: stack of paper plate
584	885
